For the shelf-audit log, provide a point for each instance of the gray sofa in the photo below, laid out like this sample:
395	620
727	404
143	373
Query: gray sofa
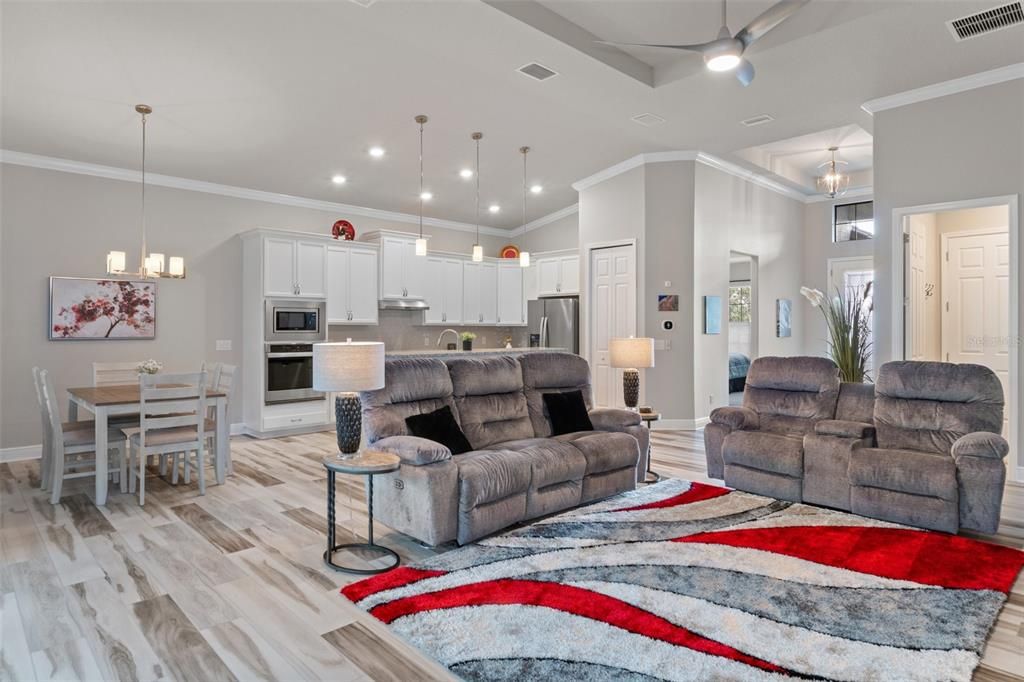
920	447
517	470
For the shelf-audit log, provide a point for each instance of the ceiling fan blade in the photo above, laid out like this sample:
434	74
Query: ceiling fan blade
767	20
745	72
691	48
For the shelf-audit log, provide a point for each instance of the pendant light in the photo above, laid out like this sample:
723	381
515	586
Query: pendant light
833	183
524	256
478	251
421	243
152	265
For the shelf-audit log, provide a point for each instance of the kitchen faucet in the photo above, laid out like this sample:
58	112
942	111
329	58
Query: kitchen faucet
441	336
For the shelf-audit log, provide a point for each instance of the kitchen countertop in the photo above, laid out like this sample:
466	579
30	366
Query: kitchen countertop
439	352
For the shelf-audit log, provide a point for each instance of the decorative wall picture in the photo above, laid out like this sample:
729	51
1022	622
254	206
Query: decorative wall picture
783	318
83	309
668	303
712	314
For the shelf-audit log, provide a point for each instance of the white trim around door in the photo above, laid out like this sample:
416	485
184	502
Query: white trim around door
1015	462
586	255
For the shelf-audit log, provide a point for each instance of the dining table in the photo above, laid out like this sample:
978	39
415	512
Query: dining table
112	401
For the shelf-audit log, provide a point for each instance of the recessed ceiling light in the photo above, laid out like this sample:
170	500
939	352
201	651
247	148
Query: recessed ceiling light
426	196
536	189
376	152
466	173
494	208
339	179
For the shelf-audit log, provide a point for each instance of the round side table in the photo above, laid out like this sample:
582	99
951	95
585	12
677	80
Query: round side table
365	463
648	418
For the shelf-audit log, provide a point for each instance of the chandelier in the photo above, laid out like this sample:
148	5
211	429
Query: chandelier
153	264
833	183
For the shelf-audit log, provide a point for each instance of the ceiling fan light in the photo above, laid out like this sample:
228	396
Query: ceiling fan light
722	62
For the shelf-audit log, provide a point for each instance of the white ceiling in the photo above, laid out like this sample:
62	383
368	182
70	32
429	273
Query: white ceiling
799	159
279	96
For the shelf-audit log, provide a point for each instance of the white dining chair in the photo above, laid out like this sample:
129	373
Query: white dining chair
172	419
220	377
68	445
115	373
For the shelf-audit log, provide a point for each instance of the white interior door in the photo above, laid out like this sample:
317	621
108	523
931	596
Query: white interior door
976	305
612	314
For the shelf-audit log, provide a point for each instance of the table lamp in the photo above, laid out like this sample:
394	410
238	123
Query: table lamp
348	367
630	354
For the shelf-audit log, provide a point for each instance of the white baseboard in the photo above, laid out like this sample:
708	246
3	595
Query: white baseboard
26	452
680	424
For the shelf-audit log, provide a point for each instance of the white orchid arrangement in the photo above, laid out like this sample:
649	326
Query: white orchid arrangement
848	319
150	366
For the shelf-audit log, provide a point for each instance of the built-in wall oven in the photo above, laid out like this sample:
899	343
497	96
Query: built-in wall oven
291	329
294	321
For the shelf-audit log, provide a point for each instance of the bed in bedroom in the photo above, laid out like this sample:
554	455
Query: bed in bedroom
738	366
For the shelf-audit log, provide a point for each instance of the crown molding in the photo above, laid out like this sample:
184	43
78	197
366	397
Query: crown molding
856	192
950	87
750	176
173	182
545	220
631	163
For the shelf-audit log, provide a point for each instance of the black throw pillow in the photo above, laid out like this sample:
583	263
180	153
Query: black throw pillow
567	412
439	426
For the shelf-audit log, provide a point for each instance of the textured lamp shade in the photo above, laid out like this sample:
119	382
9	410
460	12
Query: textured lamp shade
351	366
631	353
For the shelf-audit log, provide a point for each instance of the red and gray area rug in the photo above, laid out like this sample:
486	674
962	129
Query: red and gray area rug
687	581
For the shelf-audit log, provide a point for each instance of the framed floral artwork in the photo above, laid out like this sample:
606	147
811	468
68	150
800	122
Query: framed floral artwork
83	309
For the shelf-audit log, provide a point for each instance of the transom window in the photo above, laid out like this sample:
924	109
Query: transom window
853	222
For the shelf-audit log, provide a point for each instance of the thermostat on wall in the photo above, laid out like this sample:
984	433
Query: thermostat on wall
667	325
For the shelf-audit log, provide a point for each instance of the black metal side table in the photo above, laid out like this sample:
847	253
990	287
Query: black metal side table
364	463
648	418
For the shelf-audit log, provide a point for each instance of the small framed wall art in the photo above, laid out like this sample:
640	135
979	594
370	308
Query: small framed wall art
783	318
712	314
83	309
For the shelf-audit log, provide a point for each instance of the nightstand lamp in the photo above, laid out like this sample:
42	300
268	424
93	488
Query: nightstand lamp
347	368
630	355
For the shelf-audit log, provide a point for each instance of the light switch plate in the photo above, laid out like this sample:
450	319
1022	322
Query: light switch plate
223	344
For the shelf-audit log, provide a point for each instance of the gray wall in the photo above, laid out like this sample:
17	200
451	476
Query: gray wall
964	146
63	224
734	215
563	233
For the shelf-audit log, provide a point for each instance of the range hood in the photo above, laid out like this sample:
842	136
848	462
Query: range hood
403	304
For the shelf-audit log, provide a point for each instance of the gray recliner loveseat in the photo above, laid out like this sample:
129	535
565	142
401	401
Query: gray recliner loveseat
517	470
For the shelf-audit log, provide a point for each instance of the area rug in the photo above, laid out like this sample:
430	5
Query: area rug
688	581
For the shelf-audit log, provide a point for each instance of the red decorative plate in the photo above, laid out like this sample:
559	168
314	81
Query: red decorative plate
344	229
510	251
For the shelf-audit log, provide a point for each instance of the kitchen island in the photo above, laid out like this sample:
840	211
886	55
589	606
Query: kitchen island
445	353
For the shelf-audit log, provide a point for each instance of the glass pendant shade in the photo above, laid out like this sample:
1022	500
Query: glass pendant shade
176	266
421	247
478	253
524	259
115	261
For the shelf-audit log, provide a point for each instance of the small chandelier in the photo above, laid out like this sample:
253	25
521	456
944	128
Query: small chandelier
421	243
524	256
153	264
833	183
478	251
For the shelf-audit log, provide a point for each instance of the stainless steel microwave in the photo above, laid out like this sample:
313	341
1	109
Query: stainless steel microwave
290	321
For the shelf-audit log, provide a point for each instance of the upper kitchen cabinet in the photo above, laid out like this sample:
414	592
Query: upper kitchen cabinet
401	270
294	268
443	290
480	293
351	284
511	296
558	275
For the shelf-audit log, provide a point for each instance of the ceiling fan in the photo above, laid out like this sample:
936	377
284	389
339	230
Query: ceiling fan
725	52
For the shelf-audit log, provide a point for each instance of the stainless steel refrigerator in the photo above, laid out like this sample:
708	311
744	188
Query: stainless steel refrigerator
555	323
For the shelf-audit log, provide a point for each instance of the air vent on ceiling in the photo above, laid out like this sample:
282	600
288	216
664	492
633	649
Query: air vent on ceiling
757	120
648	120
537	71
985	22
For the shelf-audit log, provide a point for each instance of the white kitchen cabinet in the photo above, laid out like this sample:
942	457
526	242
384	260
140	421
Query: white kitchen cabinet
530	283
351	285
443	290
401	270
558	275
294	268
480	293
511	299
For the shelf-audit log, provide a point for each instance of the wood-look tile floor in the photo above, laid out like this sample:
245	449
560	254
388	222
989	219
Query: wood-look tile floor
231	585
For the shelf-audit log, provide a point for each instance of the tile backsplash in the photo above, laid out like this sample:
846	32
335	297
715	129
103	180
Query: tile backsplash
404	330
